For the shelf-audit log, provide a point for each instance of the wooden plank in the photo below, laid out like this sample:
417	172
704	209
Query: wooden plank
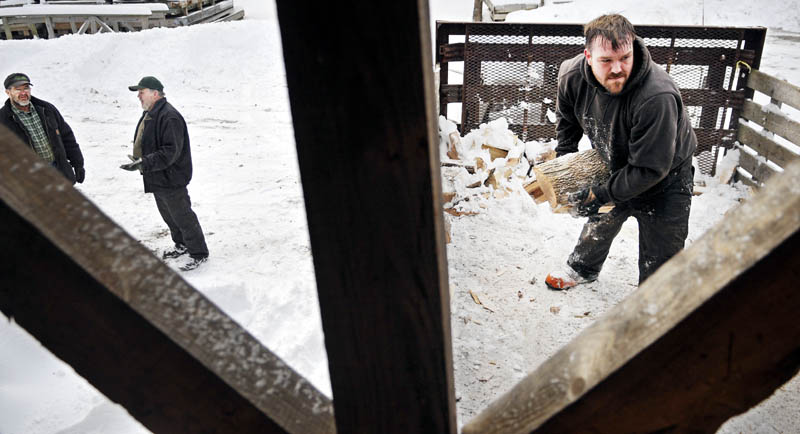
48	22
96	297
778	123
765	146
775	88
712	333
202	14
7	29
744	177
759	170
373	199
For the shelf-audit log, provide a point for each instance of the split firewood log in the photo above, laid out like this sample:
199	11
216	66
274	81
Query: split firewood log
453	140
535	191
495	153
569	173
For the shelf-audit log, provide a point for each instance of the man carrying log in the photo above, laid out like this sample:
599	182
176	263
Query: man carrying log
634	117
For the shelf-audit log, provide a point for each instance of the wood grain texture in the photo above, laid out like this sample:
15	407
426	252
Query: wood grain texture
112	297
778	89
362	100
759	170
709	335
778	123
570	173
765	146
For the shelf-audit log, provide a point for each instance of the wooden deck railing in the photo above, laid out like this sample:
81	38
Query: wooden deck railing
762	153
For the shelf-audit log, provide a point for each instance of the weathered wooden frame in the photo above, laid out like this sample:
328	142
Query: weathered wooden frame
102	302
373	199
712	333
394	269
148	340
753	168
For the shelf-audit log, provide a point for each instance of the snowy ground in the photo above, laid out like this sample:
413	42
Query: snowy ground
229	83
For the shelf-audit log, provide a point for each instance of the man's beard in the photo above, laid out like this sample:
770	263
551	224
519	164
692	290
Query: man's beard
611	77
22	103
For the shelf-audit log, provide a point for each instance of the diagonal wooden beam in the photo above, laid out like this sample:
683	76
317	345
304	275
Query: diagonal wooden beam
102	302
708	336
361	93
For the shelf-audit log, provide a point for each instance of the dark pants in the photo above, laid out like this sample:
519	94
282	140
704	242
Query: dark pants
176	210
663	219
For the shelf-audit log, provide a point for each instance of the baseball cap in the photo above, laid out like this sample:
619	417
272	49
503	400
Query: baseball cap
148	82
16	79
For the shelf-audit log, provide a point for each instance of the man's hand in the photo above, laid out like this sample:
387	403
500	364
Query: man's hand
135	164
588	201
80	175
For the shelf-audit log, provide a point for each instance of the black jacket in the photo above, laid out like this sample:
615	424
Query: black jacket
643	133
66	151
166	156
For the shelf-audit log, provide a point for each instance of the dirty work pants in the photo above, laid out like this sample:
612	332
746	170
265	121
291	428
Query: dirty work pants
175	208
663	218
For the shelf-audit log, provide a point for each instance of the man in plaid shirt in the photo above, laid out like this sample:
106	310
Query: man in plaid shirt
39	124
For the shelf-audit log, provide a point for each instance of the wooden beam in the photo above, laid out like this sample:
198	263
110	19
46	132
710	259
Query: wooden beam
712	333
365	126
477	11
765	146
99	300
775	88
758	169
778	123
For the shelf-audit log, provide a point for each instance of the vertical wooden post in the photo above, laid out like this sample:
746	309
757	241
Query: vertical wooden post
477	11
361	92
48	23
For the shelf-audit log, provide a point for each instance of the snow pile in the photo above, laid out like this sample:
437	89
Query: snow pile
246	192
777	14
488	163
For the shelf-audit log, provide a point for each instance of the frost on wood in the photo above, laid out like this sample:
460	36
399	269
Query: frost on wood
151	288
696	277
569	173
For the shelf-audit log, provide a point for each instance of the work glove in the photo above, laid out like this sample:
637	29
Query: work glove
587	202
80	175
135	164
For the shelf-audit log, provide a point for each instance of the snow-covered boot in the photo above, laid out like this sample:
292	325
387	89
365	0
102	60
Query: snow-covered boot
178	251
566	278
195	262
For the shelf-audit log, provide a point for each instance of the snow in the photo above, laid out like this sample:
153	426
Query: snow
247	194
98	10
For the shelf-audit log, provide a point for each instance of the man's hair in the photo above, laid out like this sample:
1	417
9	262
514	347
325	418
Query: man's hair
614	28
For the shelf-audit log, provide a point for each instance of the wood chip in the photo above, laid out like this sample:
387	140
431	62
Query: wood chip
475	297
457	213
555	309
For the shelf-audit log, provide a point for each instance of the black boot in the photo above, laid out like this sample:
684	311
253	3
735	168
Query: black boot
178	251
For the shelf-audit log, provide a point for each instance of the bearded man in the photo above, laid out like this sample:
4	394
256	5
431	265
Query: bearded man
40	125
633	115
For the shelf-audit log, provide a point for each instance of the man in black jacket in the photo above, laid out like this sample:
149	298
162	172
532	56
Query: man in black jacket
39	124
633	115
162	155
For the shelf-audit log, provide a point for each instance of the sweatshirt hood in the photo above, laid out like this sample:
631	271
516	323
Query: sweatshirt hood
641	67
